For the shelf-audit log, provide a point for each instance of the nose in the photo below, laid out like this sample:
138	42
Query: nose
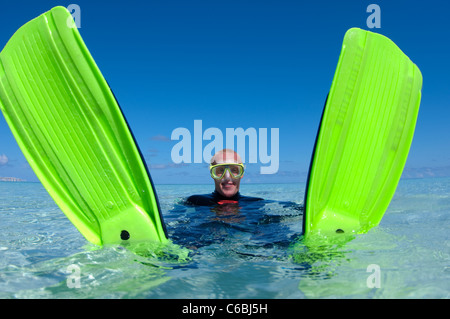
227	175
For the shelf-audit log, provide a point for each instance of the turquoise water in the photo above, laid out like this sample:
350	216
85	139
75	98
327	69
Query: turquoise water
251	253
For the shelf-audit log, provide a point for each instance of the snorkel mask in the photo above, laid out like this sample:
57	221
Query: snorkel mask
235	170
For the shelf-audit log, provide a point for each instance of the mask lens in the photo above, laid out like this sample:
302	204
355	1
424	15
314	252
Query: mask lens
218	171
235	170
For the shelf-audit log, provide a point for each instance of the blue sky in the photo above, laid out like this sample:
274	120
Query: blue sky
259	64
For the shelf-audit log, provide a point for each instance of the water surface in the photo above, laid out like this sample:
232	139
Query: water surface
243	252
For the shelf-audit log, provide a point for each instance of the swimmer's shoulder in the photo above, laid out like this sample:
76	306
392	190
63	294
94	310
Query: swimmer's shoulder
200	200
249	198
215	198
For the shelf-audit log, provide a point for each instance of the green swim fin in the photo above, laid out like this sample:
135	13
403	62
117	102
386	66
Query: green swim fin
71	129
364	137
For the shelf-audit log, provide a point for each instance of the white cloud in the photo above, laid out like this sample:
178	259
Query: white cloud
168	165
424	172
3	159
161	138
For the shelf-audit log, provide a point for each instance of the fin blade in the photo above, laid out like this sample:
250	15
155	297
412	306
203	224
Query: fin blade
70	128
364	137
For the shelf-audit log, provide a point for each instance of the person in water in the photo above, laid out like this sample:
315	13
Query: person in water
227	170
225	212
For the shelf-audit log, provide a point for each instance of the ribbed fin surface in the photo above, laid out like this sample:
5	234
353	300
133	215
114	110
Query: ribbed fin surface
365	135
71	129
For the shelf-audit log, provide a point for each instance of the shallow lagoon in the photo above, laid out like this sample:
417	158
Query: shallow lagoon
251	252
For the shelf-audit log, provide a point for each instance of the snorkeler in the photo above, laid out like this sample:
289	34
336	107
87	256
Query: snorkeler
226	169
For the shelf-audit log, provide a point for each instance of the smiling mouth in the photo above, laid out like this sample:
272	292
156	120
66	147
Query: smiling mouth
227	184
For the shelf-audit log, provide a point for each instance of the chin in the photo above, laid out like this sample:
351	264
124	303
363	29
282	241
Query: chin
229	192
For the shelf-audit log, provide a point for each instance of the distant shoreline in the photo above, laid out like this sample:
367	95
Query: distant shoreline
11	179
